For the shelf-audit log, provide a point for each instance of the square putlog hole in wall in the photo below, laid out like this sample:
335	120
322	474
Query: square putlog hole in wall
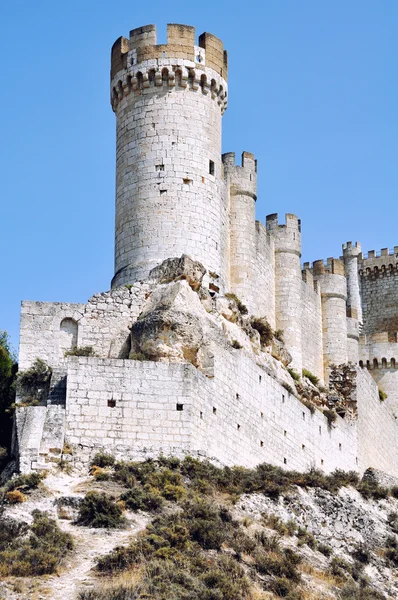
112	403
180	407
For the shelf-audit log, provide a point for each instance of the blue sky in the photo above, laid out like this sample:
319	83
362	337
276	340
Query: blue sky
312	93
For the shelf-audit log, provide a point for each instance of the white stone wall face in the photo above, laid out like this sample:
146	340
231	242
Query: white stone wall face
311	320
377	428
170	191
235	418
264	275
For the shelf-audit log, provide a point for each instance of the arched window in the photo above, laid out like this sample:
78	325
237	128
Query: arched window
67	335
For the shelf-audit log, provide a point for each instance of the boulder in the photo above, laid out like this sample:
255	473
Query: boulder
175	269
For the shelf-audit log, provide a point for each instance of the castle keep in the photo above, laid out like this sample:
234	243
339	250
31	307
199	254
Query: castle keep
214	339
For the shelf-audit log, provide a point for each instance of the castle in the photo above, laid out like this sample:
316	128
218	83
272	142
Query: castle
177	367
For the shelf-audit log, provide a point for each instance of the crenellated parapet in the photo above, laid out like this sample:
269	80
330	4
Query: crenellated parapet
287	235
379	263
243	177
140	63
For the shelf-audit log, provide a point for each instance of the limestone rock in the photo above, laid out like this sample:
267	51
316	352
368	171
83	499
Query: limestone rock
278	351
174	269
171	325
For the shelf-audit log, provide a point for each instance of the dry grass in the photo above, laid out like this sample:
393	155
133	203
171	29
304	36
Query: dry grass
324	577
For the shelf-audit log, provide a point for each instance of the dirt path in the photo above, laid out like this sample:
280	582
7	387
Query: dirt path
77	572
90	544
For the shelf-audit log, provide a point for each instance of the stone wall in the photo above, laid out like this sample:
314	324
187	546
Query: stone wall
311	319
241	417
377	428
103	323
379	293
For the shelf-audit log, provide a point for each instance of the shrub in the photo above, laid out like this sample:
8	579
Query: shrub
269	543
235	344
309	405
139	498
382	395
362	554
24	482
241	307
373	490
80	351
278	334
313	378
37	554
305	537
102	459
261	325
325	550
15	497
33	384
339	567
288	388
293	374
138	356
392	519
98	510
331	416
394	491
100	474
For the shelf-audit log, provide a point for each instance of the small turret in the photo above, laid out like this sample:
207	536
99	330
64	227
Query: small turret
351	253
333	285
242	184
288	281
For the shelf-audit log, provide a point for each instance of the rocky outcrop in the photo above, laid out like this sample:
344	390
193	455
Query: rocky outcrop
175	269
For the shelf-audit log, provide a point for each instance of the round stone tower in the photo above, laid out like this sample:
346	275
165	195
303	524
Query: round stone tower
288	282
351	252
170	191
242	184
333	285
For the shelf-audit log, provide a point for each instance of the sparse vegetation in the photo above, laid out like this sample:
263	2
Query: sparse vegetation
235	344
261	325
99	510
293	374
31	551
242	308
382	395
137	356
102	460
278	334
313	378
331	416
80	351
8	371
33	384
288	387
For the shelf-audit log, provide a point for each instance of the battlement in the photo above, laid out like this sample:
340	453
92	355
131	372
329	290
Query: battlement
308	277
332	266
375	263
291	222
243	177
142	46
351	250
